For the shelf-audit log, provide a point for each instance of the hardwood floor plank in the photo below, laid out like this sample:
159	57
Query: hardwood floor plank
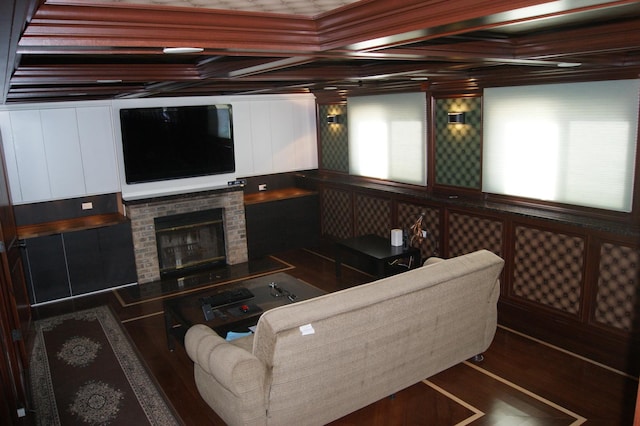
560	377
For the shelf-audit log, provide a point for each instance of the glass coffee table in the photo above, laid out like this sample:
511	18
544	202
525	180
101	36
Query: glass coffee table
266	293
378	249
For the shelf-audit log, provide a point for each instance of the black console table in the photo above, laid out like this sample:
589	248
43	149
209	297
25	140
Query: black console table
379	250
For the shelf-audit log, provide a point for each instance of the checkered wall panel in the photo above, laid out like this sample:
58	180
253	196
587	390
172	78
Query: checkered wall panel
548	268
458	147
409	213
334	146
470	233
337	220
373	216
617	296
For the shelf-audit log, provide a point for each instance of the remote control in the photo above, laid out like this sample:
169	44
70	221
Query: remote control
208	312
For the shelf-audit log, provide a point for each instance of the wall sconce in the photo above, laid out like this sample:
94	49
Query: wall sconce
334	119
456	118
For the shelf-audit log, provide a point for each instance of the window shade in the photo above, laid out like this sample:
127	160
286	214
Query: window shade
387	137
570	143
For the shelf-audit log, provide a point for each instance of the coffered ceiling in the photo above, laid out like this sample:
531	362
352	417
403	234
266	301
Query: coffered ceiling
309	8
55	50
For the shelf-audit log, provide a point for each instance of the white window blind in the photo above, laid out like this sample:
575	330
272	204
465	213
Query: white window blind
570	143
387	137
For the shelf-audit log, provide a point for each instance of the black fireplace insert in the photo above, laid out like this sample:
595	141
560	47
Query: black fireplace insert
188	242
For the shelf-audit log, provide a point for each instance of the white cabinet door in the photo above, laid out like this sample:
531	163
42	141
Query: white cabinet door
31	158
98	150
282	136
294	144
260	122
283	143
62	148
304	134
58	153
10	156
242	134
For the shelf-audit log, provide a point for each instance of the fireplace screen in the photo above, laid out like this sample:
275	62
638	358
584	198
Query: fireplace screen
190	241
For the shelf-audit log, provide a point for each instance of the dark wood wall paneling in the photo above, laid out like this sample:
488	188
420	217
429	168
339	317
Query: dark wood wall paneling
573	286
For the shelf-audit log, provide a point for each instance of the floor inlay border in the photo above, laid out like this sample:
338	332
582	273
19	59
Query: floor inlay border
564	351
578	418
477	413
574	418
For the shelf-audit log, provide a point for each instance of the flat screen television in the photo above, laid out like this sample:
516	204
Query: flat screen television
175	142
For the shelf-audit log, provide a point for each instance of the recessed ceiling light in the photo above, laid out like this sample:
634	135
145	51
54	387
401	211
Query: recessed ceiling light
172	50
568	64
108	81
331	88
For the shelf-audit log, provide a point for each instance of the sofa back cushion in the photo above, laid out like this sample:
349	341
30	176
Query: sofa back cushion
333	354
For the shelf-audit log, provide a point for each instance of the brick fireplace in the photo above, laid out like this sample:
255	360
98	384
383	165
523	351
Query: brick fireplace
143	212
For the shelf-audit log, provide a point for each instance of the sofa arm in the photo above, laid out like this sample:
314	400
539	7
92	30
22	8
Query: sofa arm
236	369
432	260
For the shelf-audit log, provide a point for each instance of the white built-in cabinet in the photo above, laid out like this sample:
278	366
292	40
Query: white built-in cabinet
67	150
58	153
281	136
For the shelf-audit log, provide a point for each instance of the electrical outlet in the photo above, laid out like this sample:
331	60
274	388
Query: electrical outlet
87	206
424	234
262	187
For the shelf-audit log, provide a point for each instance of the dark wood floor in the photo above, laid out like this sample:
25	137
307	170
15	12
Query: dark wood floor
520	382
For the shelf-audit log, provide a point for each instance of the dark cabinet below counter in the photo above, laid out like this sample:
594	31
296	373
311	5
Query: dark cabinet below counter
281	220
79	262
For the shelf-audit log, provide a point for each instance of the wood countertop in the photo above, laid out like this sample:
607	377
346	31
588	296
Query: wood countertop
100	220
276	194
65	225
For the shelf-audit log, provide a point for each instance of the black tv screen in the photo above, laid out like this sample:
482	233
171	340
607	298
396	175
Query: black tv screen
164	143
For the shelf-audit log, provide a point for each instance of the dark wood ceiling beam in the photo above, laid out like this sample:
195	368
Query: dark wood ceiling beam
130	26
526	76
279	64
13	14
498	48
219	66
68	93
76	74
127	37
212	87
379	20
82	10
390	25
354	73
621	36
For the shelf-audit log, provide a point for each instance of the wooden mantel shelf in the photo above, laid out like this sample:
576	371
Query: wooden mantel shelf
276	194
66	225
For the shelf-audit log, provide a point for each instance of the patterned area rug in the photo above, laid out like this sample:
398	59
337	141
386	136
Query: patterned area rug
84	371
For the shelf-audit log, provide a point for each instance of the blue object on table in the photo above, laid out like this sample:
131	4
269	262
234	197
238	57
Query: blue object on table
233	335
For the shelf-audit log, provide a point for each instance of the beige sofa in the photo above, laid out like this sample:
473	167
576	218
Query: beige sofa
317	360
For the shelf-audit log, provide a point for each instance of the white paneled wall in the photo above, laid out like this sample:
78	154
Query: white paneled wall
59	151
62	152
262	127
95	127
66	150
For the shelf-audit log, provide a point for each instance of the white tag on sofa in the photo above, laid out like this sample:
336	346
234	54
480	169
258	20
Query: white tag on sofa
307	329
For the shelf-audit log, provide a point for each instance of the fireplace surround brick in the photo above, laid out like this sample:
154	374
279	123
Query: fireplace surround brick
142	212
